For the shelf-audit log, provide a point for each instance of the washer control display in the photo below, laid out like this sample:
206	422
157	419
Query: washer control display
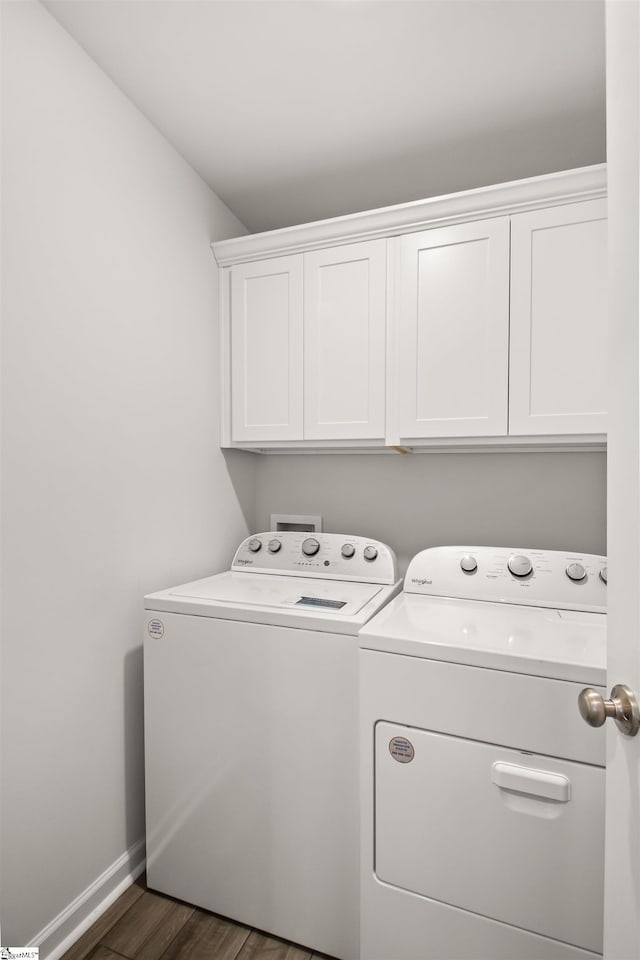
330	556
541	578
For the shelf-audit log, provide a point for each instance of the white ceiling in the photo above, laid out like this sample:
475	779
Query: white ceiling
297	110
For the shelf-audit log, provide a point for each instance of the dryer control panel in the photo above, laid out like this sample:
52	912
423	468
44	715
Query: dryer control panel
540	578
334	556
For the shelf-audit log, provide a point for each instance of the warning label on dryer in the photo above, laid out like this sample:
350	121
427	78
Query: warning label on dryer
155	628
401	749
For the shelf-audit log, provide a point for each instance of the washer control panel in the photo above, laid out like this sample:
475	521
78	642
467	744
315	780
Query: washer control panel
333	556
541	578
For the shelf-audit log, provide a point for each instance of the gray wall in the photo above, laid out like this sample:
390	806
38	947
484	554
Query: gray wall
553	500
113	482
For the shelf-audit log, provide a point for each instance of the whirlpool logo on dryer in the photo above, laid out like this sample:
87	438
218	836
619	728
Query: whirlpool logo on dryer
421	582
245	563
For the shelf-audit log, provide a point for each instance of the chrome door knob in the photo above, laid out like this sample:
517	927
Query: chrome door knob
622	707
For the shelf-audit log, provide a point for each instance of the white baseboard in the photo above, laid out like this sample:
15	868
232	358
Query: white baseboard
63	931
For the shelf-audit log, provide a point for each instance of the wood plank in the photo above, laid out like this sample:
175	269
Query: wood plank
170	927
260	946
103	953
132	931
205	936
85	944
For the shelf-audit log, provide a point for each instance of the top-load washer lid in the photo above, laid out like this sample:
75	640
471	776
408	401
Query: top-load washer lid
325	582
266	590
554	627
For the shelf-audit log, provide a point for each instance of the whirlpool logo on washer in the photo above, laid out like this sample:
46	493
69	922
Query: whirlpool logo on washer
421	582
244	563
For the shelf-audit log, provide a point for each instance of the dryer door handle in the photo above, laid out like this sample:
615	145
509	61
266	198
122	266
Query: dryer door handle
535	783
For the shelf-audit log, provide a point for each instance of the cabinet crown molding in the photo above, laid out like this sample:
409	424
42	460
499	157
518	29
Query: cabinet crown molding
518	196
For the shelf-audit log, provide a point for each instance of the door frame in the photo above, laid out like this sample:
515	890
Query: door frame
622	834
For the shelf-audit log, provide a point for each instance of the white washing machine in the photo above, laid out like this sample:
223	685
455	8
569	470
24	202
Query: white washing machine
483	789
251	734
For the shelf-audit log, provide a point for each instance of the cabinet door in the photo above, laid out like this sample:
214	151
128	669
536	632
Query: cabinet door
266	350
558	320
344	333
453	331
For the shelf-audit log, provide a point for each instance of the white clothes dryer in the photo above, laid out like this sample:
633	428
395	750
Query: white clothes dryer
251	734
483	789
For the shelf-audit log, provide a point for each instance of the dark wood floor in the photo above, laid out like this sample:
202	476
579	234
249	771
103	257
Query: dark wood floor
142	925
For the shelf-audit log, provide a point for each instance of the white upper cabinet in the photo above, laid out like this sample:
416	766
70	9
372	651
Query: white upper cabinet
559	320
475	319
344	342
452	319
266	350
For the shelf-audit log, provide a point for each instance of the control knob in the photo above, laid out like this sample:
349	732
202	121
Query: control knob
519	565
310	547
603	575
255	545
370	553
348	550
274	546
469	564
576	572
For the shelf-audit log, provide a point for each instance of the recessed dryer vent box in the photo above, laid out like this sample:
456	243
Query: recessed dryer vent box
296	522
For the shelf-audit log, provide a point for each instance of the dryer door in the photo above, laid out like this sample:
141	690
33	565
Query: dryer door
508	835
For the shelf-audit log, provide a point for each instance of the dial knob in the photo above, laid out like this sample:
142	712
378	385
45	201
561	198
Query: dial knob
274	546
576	572
603	575
519	565
255	545
348	550
469	564
310	547
370	553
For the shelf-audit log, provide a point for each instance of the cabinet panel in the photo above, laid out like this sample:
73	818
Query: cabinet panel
266	350
453	331
558	320
344	351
